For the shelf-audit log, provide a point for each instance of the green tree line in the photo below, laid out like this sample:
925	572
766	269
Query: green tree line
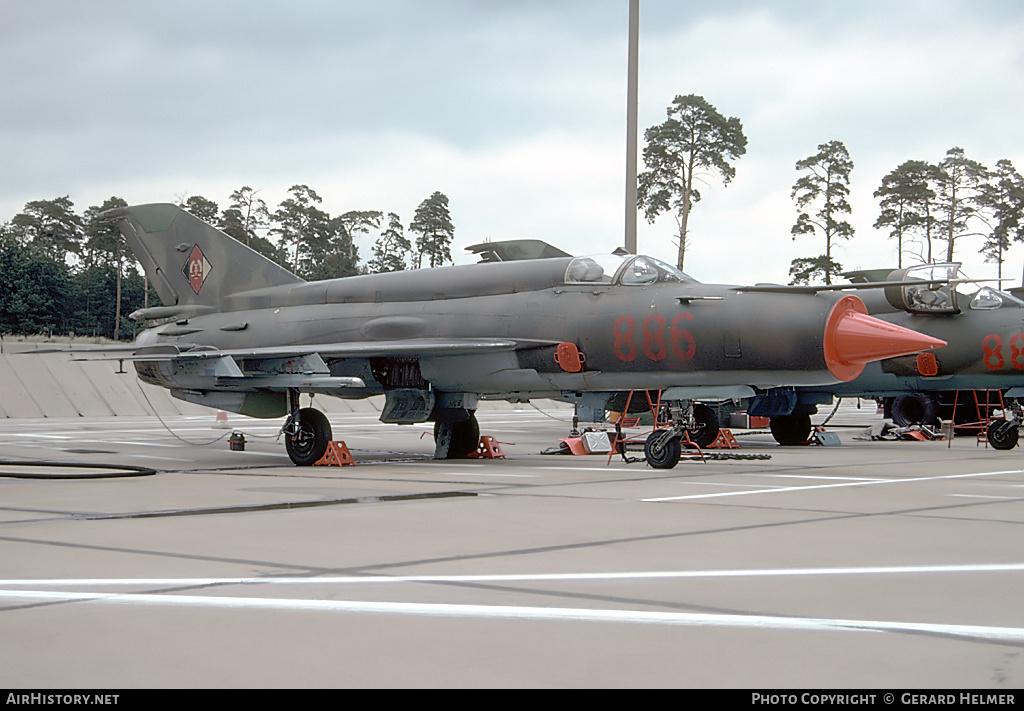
922	205
65	273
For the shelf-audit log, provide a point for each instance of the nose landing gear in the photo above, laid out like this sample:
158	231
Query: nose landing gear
695	421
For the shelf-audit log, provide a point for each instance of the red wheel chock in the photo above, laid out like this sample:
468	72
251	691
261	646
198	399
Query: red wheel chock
724	440
337	455
487	448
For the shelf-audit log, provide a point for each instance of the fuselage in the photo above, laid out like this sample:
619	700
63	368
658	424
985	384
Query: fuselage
644	326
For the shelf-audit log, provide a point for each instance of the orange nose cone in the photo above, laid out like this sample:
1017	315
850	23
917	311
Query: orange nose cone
852	339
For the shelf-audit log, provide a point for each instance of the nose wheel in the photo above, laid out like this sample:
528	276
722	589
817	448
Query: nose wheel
1003	434
695	421
663	449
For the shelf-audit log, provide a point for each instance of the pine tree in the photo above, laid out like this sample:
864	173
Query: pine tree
694	139
433	223
826	185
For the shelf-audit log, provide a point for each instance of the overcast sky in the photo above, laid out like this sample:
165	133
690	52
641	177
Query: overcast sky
514	109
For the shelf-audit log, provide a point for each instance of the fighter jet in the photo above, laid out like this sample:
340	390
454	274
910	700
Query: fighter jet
984	328
239	333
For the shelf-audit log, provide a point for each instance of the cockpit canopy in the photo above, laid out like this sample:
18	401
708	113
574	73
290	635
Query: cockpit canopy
928	290
626	269
988	298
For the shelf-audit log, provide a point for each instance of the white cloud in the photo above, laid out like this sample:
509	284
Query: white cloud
514	110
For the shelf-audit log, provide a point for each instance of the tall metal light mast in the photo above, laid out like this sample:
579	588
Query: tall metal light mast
631	129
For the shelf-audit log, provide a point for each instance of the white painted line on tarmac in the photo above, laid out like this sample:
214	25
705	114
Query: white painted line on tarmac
870	482
161	458
596	468
475	475
734	486
811	476
979	496
139	443
35	435
628	575
1003	634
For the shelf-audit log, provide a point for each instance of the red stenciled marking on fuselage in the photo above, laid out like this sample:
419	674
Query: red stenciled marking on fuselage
993	356
683	343
682	334
624	337
655	338
992	351
1016	352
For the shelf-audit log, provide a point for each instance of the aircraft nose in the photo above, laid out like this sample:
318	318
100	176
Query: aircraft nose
853	339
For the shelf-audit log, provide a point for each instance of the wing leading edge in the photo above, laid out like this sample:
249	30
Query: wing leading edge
364	349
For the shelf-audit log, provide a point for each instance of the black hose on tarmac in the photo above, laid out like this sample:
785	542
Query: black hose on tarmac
119	470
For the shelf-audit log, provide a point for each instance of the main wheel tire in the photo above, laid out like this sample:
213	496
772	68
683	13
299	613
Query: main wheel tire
791	430
465	437
1003	434
706	430
307	446
662	449
915	409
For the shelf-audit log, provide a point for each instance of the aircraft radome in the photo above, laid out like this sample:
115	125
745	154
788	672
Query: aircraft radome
237	332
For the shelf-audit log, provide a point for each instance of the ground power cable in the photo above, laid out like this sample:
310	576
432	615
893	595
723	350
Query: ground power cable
120	470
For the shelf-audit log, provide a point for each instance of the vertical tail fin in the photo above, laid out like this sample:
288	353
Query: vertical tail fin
189	262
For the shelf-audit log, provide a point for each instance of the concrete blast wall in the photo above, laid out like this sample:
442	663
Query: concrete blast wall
36	385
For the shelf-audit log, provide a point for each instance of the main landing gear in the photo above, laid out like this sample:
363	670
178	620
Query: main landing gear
456	439
306	433
791	430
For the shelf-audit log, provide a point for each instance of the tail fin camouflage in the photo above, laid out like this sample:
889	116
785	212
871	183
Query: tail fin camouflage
190	263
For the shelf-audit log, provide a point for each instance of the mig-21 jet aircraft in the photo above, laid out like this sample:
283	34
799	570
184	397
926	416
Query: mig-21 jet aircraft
239	333
984	331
